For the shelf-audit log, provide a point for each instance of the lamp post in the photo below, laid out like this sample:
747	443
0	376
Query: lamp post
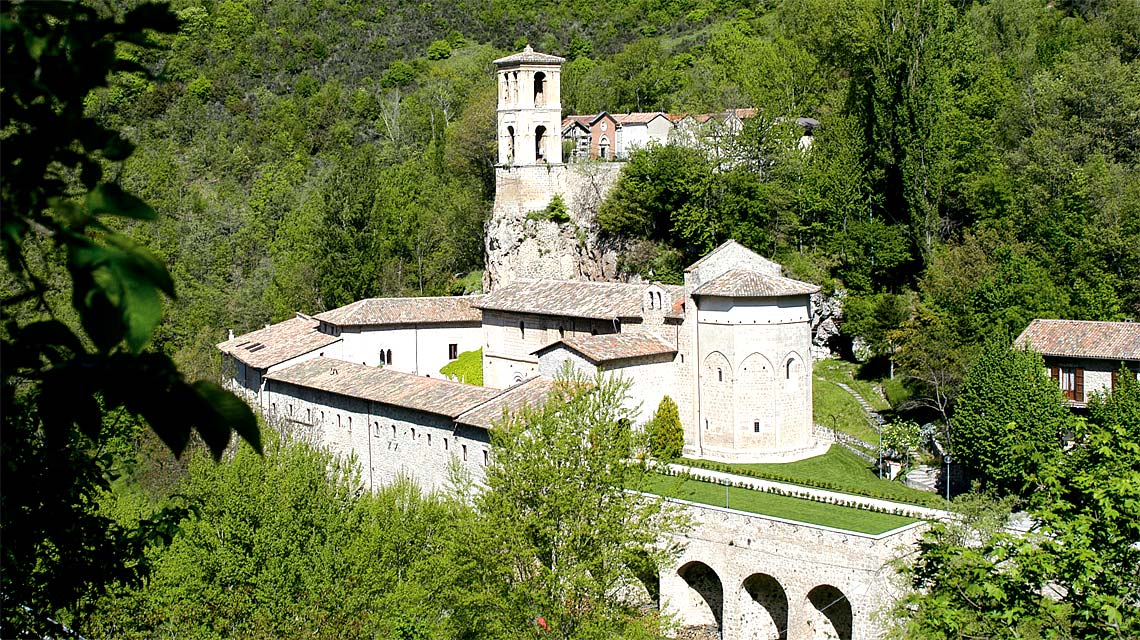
879	428
947	460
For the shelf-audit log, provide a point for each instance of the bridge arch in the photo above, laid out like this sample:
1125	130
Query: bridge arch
763	608
828	614
704	606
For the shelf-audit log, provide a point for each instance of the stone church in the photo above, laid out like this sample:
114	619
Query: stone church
731	346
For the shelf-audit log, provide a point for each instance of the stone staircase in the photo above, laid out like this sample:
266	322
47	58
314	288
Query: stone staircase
924	477
876	419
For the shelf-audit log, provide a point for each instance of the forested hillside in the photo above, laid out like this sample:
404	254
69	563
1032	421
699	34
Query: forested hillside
975	167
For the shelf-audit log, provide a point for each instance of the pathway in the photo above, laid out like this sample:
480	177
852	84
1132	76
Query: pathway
876	418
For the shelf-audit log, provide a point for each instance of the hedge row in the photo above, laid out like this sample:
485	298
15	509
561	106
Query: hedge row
803	495
931	501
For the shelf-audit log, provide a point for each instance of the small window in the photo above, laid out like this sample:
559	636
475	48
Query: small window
561	331
290	410
788	368
273	408
413	434
383	359
376	429
429	439
522	329
719	375
393	431
389	359
706	424
486	457
452	351
308	415
338	421
755	426
445	447
465	453
350	424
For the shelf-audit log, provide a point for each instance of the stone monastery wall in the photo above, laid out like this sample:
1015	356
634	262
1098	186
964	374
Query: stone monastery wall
387	441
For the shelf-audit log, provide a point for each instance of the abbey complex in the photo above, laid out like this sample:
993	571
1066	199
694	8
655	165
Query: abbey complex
732	347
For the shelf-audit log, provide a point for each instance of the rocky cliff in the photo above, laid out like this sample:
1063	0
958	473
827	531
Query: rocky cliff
523	242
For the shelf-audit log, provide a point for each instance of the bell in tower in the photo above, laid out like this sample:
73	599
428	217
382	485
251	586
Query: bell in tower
530	109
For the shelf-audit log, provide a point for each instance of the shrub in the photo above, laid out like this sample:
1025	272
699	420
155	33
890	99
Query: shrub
666	436
467	368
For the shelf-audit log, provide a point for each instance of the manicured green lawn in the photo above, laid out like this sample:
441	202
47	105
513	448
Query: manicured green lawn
468	368
769	504
839	467
842	371
835	408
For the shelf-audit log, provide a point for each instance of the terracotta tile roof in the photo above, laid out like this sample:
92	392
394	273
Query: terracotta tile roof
1082	338
530	393
277	343
381	311
599	300
743	283
529	56
615	346
639	117
431	395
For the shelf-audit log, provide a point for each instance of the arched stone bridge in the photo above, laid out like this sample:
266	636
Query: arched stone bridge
742	576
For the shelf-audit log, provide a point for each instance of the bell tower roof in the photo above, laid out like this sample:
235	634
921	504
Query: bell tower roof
529	56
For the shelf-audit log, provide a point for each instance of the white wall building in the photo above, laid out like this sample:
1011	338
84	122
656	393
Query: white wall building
412	335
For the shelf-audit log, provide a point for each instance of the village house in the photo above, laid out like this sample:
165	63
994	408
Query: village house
1084	357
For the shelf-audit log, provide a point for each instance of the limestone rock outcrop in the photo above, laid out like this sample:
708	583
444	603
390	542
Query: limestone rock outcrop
826	314
521	243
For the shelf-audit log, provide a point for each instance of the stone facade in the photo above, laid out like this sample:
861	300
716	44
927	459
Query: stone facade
386	440
746	576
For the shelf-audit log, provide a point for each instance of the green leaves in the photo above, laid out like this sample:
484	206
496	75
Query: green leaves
110	198
116	291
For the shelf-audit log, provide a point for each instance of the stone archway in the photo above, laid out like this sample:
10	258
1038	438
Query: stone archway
829	614
704	607
763	608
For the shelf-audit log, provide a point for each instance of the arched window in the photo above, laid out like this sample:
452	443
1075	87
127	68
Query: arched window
486	457
338	421
413	434
350	424
445	447
539	85
539	142
510	144
389	358
465	453
393	431
522	329
429	439
376	429
788	368
308	415
604	148
561	331
719	375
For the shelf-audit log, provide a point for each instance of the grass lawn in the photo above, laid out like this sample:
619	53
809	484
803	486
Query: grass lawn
769	504
467	368
841	371
833	407
839	467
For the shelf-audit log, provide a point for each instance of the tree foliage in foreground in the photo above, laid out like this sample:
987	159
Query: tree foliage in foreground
1010	417
70	375
566	534
1075	574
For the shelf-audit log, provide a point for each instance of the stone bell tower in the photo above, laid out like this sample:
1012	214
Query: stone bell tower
530	109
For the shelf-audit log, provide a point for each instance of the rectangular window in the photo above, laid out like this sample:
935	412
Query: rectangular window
452	351
465	453
755	426
1072	381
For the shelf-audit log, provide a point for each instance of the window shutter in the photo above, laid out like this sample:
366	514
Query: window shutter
1055	374
1080	385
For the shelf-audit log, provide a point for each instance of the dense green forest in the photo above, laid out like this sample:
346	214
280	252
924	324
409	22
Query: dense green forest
976	166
